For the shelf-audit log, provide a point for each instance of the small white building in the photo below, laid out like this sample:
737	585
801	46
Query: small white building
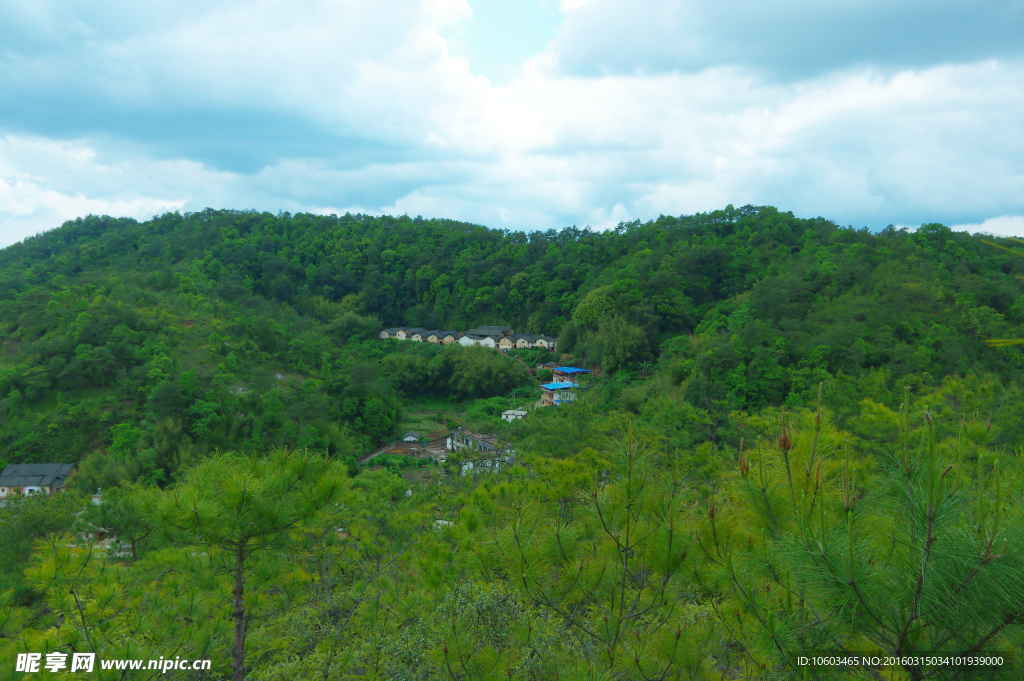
546	342
483	452
513	414
469	340
487	342
481	442
411	436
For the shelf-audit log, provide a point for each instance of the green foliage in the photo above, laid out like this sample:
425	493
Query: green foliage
480	372
613	571
596	306
411	373
617	344
748	512
193	317
480	631
919	558
488	411
119	515
397	462
613	562
240	506
23	521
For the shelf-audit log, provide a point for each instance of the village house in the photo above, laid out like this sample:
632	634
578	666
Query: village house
481	442
525	340
34	478
495	331
492	454
411	436
545	342
564	374
554	394
472	339
497	337
513	414
417	334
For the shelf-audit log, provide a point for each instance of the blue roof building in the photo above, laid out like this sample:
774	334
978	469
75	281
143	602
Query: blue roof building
568	373
558	392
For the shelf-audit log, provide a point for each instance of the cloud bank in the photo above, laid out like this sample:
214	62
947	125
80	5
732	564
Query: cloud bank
865	113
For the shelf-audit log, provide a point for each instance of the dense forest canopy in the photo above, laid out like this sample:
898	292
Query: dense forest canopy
795	438
225	327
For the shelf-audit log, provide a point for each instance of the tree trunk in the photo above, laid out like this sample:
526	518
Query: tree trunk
238	654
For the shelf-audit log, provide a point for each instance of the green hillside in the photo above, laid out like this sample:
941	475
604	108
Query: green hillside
796	438
245	330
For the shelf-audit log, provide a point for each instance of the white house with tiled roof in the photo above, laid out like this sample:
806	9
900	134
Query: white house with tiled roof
34	478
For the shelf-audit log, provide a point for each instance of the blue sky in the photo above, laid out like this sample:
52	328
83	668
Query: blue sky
514	114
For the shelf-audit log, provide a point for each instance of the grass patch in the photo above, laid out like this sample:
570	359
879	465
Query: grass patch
431	414
397	462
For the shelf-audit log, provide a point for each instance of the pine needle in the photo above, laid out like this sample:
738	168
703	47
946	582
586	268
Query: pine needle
1003	342
992	243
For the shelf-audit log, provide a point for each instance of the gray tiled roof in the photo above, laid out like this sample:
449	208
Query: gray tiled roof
35	474
491	330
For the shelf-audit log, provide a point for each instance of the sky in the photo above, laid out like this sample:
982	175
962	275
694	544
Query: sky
514	114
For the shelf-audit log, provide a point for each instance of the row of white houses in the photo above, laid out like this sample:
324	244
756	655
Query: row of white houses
497	337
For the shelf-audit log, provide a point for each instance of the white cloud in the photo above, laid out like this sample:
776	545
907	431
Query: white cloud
355	105
41	186
1004	225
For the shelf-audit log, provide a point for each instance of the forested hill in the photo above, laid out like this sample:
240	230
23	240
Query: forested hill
241	329
795	439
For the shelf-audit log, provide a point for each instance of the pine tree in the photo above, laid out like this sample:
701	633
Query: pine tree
926	559
238	506
611	567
